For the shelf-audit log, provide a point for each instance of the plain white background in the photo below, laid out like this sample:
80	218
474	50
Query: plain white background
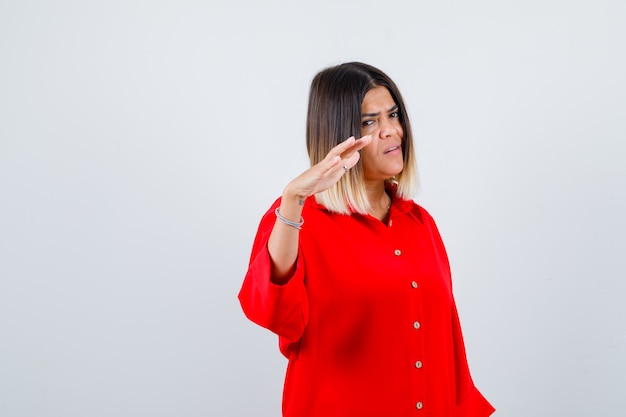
141	141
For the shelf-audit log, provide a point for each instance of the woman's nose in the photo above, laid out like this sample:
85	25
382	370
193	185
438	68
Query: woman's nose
386	129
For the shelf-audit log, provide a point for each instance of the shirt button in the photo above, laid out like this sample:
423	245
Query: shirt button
397	252
418	364
416	325
413	284
419	405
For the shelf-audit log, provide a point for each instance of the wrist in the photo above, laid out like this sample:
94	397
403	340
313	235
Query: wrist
296	225
289	196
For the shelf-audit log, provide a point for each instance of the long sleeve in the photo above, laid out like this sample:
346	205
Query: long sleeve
470	402
282	309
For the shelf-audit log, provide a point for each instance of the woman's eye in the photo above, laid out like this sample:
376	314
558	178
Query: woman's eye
395	114
367	123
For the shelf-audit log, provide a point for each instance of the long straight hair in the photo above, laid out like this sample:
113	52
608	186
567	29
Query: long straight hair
334	115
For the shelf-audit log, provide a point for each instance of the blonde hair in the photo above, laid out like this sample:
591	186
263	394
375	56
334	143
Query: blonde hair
334	115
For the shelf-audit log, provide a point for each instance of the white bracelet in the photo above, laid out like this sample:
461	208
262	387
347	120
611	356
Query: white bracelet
289	222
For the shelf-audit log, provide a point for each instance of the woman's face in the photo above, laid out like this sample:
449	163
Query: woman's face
382	158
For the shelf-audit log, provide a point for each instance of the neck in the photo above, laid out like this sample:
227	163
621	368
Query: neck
378	198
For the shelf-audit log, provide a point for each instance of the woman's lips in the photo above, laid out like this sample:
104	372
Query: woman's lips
392	149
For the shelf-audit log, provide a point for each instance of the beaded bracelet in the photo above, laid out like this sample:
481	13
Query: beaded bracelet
289	222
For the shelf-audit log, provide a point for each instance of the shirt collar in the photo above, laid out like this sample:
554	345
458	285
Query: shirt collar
398	203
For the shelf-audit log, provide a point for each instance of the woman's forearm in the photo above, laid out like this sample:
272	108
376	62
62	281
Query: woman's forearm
283	241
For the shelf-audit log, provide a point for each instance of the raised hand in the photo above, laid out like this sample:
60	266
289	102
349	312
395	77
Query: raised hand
327	172
283	241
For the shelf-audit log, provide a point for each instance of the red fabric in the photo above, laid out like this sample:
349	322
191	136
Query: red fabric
347	318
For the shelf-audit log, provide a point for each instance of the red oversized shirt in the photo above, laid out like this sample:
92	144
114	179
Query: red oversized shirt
368	320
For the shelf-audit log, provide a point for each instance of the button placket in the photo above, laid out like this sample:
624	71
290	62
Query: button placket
417	339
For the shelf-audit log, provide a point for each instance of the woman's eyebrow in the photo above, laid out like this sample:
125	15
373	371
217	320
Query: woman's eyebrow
394	108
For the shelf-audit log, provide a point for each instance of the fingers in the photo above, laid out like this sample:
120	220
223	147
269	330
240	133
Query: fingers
345	155
362	143
346	148
327	172
349	161
351	156
356	147
351	145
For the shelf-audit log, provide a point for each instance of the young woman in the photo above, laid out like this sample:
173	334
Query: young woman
352	275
